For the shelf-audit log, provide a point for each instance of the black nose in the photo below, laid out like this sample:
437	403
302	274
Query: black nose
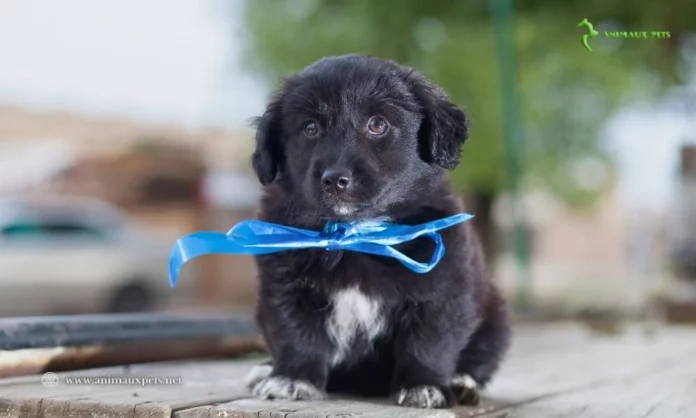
337	180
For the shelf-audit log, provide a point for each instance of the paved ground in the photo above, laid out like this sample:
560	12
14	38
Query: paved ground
554	370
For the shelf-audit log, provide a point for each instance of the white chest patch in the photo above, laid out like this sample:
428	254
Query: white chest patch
353	313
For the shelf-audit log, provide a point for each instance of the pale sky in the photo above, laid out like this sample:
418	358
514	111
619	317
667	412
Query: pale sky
178	60
646	141
153	59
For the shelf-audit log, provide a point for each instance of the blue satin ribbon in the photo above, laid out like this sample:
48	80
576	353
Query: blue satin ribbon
254	237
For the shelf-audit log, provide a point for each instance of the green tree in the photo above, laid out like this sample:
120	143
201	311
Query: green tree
565	91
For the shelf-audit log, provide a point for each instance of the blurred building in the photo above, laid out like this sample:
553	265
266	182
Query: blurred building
680	297
579	259
30	164
98	135
685	228
163	176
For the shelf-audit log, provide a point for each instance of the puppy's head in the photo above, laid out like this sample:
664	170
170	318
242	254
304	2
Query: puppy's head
353	135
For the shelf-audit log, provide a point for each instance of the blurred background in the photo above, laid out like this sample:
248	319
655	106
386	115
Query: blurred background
125	124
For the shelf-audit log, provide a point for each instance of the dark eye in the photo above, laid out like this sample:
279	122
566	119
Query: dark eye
377	125
310	128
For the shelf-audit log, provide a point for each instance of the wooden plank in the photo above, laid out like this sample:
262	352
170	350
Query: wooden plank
48	408
199	380
529	374
19	408
593	360
665	392
176	398
254	408
37	408
40	360
202	383
551	369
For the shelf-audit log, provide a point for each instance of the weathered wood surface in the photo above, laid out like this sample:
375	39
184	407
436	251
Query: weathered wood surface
555	370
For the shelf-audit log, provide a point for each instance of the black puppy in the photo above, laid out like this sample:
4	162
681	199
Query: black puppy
359	138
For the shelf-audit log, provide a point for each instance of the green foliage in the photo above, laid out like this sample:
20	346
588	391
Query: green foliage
566	92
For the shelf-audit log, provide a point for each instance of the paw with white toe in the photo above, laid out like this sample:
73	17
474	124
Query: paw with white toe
466	390
422	397
276	387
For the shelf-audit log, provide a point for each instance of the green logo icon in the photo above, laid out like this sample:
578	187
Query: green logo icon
590	33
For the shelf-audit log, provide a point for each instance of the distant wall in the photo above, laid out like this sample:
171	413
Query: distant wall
578	260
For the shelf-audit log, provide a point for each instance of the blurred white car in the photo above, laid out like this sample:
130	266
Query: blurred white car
63	254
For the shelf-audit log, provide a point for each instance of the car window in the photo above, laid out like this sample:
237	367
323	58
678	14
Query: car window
22	230
50	230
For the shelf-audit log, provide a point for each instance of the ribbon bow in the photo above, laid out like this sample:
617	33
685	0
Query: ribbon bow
254	237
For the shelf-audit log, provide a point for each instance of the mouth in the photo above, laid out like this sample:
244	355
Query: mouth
351	209
342	209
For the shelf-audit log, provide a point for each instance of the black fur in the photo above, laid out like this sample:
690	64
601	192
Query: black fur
447	322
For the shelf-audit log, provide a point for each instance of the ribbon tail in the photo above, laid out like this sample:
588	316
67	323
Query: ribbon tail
259	234
204	243
255	231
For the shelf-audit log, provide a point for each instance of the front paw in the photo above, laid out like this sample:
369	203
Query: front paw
465	389
276	387
424	397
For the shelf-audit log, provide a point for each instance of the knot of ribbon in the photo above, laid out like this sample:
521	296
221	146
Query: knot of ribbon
253	237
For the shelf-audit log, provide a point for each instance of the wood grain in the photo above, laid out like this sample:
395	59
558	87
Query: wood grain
557	370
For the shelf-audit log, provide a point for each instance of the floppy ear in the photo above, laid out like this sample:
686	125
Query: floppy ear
444	127
268	156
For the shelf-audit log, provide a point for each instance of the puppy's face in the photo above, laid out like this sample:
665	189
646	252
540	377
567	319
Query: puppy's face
353	135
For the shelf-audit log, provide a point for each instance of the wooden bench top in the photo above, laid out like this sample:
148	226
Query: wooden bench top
553	370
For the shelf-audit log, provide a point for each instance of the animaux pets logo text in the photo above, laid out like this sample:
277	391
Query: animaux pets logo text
591	33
